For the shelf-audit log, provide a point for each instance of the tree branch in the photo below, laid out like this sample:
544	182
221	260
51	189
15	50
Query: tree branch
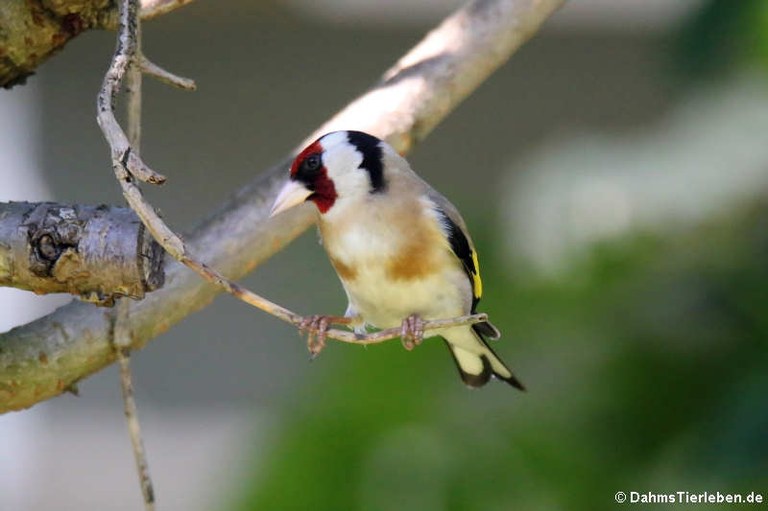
34	30
96	252
412	98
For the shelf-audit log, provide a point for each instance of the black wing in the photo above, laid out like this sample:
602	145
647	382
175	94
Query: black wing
461	247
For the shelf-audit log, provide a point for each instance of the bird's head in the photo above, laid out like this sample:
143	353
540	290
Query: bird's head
336	167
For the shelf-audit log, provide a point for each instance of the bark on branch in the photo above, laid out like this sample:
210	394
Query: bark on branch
412	98
96	252
33	30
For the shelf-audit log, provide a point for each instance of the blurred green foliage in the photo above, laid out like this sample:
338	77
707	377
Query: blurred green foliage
722	36
646	369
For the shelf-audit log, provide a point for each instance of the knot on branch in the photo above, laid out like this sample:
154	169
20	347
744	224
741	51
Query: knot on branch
60	231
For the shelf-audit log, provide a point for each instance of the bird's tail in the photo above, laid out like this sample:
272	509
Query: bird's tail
475	360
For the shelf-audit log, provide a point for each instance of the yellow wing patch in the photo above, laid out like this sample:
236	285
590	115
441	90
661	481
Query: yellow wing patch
477	282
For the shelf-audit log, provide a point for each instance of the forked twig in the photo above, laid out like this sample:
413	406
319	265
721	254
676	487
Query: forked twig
129	167
122	330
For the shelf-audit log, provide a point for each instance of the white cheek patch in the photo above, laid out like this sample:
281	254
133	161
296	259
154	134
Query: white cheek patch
342	162
339	157
333	140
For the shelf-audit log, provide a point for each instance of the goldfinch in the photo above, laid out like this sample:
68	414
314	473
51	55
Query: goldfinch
400	249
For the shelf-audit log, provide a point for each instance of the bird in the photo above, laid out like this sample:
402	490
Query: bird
401	250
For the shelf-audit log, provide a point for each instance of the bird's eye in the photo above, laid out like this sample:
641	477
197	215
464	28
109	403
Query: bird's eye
312	163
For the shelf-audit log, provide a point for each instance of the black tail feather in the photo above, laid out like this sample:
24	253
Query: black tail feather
487	330
479	380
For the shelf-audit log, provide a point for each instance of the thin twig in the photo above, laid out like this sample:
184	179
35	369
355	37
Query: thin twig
122	330
122	339
393	333
133	85
153	8
164	76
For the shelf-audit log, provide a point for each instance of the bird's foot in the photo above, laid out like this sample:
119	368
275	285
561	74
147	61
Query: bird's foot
316	328
412	331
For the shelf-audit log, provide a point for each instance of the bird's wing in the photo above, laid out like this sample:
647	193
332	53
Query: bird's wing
460	242
458	239
463	248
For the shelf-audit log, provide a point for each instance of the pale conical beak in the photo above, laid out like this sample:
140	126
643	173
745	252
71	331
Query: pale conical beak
292	194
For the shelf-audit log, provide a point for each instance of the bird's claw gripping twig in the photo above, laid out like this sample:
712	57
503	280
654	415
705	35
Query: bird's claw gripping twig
412	331
316	328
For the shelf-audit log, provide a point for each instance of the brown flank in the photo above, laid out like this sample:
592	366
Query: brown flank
345	272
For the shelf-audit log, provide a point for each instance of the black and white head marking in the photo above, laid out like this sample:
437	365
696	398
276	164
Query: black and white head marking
370	148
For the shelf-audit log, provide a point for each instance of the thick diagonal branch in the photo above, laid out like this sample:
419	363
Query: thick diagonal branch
413	97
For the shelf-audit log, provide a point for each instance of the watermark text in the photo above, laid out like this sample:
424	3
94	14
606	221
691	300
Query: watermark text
687	497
